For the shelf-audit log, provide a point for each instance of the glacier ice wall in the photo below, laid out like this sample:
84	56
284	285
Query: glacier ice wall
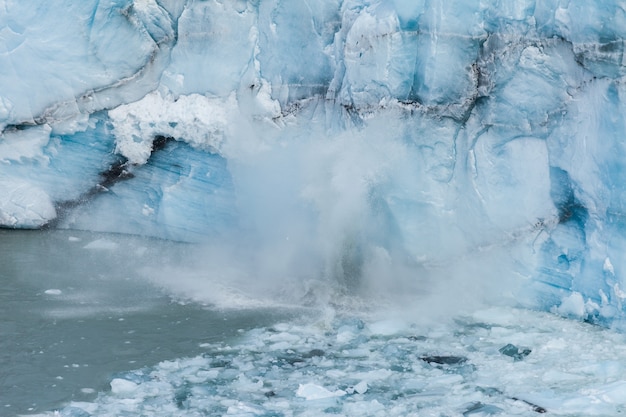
366	137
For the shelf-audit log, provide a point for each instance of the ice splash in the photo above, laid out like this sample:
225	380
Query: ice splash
503	124
352	218
366	366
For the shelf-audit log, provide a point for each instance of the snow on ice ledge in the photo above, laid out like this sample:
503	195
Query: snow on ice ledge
371	134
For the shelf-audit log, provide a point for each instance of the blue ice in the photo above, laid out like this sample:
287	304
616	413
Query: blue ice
425	138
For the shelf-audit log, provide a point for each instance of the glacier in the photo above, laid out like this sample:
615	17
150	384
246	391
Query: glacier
378	145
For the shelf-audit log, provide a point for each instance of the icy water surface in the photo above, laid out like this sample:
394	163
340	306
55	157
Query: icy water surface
495	362
75	311
84	333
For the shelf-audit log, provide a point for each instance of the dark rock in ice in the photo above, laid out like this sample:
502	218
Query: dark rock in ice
483	409
115	173
517	353
270	394
160	142
445	360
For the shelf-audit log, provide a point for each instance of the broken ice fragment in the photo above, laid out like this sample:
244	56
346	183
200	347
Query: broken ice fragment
482	409
536	408
517	353
122	386
313	353
361	387
316	392
444	360
453	364
72	411
490	391
181	398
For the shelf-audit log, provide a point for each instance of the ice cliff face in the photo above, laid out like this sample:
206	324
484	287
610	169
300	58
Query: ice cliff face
363	134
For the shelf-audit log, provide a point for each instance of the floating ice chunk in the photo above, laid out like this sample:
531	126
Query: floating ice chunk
316	392
444	360
245	384
122	386
482	410
345	336
349	331
611	393
203	376
517	353
243	410
53	292
72	411
101	244
388	327
366	408
361	387
373	375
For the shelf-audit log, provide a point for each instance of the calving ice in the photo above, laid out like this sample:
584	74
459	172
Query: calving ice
423	135
338	153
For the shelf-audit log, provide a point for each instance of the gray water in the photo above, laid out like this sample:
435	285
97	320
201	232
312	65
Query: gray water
74	311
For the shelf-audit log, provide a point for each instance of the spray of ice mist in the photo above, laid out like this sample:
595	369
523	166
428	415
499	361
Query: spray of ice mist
350	219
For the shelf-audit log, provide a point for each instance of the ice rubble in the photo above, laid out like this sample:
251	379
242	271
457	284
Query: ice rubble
350	367
455	127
